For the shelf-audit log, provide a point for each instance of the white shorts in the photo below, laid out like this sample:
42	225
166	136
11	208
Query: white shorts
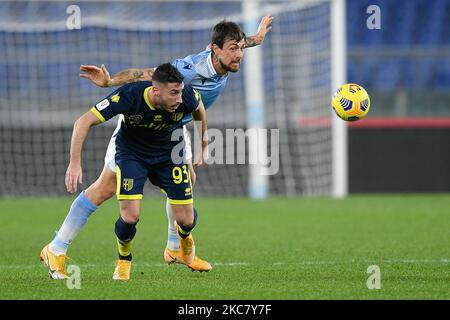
110	157
188	148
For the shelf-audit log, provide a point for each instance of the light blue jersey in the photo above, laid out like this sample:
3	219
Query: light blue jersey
199	73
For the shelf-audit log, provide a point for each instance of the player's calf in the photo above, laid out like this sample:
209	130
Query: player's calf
187	245
125	233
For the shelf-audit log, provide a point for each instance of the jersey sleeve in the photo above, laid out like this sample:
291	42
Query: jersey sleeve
186	68
120	101
191	99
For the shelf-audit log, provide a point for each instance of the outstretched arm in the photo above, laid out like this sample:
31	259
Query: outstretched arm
74	173
257	39
263	28
100	76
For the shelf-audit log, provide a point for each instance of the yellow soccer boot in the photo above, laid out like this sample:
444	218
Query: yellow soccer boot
56	264
173	256
122	271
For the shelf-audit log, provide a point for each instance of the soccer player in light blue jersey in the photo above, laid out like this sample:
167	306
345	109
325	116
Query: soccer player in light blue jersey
207	72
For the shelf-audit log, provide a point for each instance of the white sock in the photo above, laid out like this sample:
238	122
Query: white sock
77	217
172	235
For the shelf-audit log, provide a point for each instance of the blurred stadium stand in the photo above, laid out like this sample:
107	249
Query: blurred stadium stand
405	66
410	54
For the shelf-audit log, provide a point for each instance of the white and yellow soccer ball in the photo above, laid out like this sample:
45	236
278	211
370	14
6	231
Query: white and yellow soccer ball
351	102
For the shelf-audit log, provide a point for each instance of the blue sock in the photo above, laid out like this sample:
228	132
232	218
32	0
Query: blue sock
79	213
124	231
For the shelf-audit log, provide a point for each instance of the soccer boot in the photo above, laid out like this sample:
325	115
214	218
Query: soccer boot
56	264
172	256
122	270
187	249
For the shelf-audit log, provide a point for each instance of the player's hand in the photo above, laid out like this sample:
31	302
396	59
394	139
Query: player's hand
74	175
99	76
264	27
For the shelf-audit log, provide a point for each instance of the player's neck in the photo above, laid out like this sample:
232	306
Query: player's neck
153	99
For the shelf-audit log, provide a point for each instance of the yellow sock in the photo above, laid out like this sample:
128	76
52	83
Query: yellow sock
124	247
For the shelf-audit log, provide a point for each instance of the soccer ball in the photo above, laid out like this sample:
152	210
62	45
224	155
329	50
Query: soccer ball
351	102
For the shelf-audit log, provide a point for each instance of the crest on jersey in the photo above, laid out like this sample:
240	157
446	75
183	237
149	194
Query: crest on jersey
135	119
177	116
128	184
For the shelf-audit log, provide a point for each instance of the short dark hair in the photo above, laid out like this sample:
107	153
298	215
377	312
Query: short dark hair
224	31
167	73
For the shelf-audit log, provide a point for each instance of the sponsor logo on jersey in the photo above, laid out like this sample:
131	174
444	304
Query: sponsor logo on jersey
187	66
135	119
102	104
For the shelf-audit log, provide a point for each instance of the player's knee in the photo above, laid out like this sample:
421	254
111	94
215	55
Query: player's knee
129	212
107	186
100	191
130	218
109	191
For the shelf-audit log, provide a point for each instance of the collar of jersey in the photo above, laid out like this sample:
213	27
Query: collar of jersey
146	98
210	65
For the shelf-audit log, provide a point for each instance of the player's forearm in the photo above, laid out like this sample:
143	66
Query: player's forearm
253	41
199	116
131	75
79	134
263	28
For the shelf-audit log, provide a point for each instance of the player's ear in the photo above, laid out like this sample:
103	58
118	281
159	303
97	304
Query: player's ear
155	89
214	48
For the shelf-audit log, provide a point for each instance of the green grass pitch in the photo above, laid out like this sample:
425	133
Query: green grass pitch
280	248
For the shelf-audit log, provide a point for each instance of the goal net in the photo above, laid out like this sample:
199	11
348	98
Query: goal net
42	94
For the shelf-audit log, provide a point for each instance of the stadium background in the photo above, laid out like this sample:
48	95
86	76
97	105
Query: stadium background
405	67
